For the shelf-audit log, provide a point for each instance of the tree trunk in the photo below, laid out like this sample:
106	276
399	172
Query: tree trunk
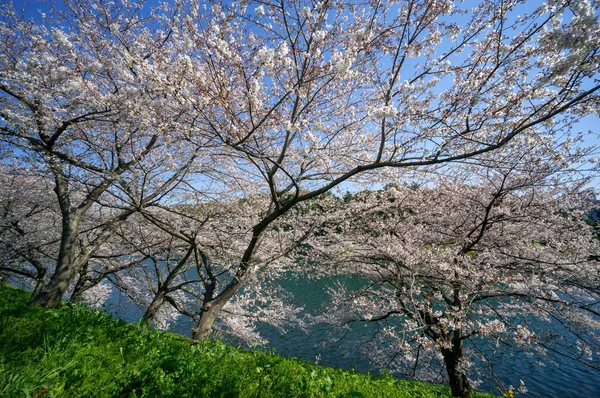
211	307
39	282
459	383
154	307
52	293
68	265
78	290
209	313
50	296
161	294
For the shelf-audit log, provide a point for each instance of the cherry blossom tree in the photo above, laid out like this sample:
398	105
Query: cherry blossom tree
81	104
457	269
191	251
303	96
163	264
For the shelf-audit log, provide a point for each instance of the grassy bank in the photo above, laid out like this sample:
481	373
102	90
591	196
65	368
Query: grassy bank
72	351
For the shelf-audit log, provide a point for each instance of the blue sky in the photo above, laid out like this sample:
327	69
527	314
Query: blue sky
32	9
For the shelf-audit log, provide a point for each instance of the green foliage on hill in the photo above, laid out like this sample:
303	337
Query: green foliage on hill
73	351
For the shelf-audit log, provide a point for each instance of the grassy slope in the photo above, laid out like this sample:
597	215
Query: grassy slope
72	351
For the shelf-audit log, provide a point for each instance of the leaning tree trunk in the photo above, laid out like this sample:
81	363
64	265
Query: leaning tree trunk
154	307
50	296
459	383
205	324
39	282
79	288
213	306
163	288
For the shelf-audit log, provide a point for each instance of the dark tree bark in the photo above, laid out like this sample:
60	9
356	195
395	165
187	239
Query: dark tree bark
52	293
164	287
213	301
69	264
39	282
155	305
459	383
208	315
79	286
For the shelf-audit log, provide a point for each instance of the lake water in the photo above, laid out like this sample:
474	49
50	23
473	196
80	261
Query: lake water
559	377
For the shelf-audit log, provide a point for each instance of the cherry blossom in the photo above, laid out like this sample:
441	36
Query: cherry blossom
459	267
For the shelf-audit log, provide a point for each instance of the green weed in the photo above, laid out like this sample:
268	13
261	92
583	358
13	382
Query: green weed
75	352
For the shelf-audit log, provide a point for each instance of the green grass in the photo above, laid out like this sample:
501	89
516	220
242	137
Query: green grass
72	351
